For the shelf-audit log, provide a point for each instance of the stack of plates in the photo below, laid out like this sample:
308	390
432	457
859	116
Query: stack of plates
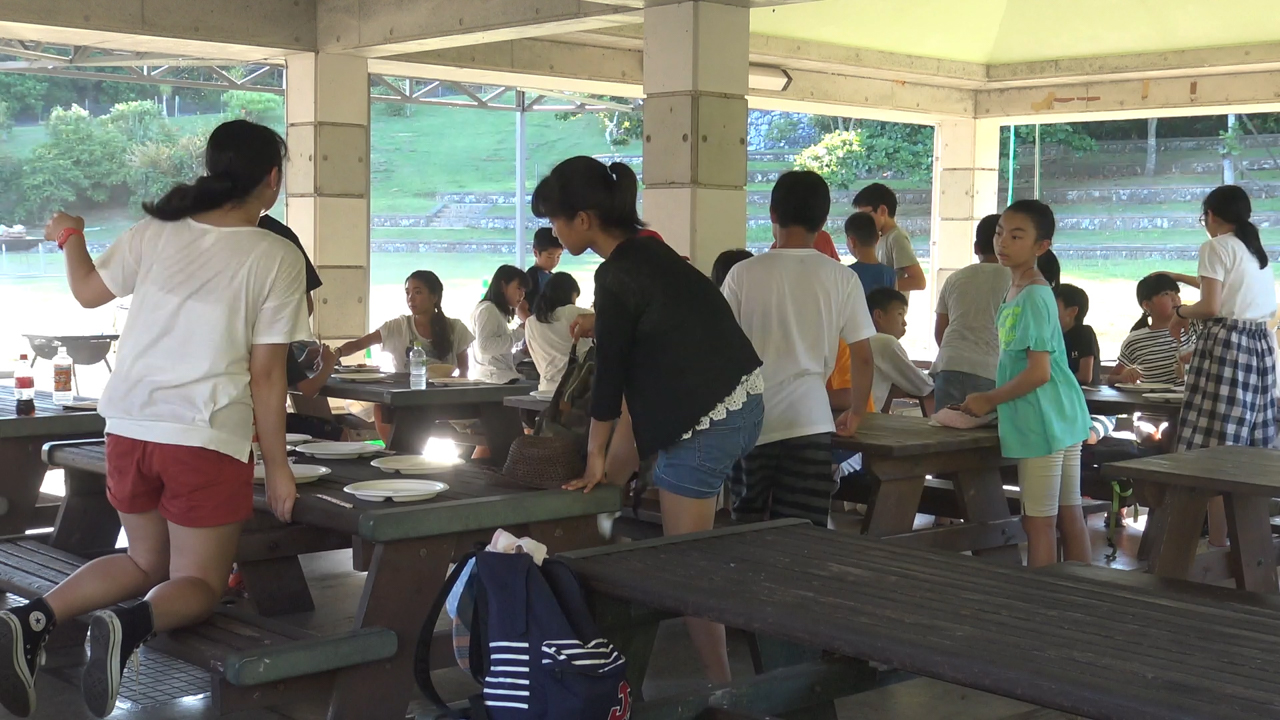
364	376
343	369
338	450
1170	397
543	394
411	465
295	438
302	474
1146	387
397	490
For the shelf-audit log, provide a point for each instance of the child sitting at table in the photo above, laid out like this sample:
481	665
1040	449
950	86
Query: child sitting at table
1043	418
547	334
444	339
1080	340
495	338
1149	353
894	369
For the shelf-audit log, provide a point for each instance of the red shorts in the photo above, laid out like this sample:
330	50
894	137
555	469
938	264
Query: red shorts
191	486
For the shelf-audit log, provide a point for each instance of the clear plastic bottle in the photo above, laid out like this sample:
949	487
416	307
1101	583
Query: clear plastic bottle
24	387
417	368
62	394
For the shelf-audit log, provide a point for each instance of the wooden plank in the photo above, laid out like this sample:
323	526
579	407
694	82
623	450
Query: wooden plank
396	393
1185	509
901	436
50	420
1252	554
308	657
228	698
61	566
972	535
893	509
1223	468
287	541
277	586
688	537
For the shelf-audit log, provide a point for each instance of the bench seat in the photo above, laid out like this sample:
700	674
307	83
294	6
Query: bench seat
939	496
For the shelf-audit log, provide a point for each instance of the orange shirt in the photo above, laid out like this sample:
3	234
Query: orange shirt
842	377
823	243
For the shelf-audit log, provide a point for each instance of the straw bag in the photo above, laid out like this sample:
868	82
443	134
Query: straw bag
556	452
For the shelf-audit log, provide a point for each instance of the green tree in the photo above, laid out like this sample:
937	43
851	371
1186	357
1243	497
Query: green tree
84	159
156	166
6	119
870	149
139	121
621	127
253	106
835	158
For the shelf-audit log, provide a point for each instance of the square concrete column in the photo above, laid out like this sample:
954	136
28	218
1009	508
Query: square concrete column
695	126
327	183
966	173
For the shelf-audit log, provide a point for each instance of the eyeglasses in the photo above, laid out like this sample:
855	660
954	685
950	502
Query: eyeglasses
1204	219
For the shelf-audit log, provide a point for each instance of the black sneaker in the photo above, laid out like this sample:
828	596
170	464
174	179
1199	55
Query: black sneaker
114	636
23	632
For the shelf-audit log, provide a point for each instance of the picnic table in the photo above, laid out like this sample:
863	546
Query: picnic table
1109	400
406	549
1069	643
22	506
1246	477
900	451
416	412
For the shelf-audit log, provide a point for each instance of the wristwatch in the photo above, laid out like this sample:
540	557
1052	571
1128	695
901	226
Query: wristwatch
66	235
1177	310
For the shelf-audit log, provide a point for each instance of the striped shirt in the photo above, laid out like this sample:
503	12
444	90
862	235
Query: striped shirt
1156	353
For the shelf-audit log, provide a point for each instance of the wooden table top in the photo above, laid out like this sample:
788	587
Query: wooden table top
1073	644
394	391
1225	468
527	402
50	420
477	499
904	436
1107	400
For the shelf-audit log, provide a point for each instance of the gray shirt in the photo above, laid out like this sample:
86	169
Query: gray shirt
970	299
895	251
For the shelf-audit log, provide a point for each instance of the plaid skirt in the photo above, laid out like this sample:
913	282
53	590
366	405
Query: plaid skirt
1231	387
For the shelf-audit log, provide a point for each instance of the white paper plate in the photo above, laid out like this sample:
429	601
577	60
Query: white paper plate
397	490
1164	396
456	381
1145	387
542	395
337	450
410	465
347	369
364	376
302	474
296	438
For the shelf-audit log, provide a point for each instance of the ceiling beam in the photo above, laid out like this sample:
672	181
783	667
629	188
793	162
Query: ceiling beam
382	28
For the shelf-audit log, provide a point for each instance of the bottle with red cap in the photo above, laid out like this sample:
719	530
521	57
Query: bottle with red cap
24	387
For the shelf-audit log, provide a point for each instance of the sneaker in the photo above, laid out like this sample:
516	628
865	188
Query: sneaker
114	636
23	632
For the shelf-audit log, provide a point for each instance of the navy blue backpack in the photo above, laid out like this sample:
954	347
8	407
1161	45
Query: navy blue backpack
533	646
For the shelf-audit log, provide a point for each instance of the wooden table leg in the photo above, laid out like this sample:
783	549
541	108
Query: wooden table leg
501	426
21	474
276	586
1179	539
87	525
1157	518
403	579
982	499
412	429
1252	555
892	510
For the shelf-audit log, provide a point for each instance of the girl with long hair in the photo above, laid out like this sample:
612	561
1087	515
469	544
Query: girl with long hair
495	338
549	338
444	339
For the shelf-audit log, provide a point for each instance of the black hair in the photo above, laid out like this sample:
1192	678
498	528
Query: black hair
862	228
545	239
1149	287
584	184
1230	204
984	242
237	158
1049	267
883	298
725	262
1041	217
441	334
558	291
1073	297
800	197
875	195
496	294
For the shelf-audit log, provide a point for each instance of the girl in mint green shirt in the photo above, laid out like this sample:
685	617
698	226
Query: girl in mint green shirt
1043	417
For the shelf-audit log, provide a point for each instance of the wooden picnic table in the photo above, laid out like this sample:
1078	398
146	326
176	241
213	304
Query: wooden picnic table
1246	477
416	412
1073	644
406	548
1108	400
22	507
899	451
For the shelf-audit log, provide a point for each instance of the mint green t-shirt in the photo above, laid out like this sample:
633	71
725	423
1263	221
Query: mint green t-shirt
1054	416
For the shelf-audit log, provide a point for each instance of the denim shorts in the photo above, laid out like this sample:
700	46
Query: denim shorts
951	387
699	466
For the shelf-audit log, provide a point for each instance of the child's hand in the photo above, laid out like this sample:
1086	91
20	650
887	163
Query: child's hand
1131	375
583	326
978	405
1177	326
522	311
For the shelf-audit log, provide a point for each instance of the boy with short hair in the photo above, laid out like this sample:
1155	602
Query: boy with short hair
1081	341
895	246
546	256
796	305
894	368
863	237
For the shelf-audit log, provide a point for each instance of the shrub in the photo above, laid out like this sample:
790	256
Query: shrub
835	158
252	106
157	166
84	158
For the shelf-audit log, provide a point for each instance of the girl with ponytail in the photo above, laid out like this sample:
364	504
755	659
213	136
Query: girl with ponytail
1231	382
1149	353
668	343
200	368
444	339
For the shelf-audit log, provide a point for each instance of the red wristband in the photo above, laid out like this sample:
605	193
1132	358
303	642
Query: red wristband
66	235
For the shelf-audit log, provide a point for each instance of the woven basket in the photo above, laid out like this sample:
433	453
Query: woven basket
544	462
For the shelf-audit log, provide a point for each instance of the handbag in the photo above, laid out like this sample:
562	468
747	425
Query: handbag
556	452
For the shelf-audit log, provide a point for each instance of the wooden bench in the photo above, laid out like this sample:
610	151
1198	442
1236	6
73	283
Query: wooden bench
253	662
939	497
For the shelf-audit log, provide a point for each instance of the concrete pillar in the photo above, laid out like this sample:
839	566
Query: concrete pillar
327	183
966	173
695	126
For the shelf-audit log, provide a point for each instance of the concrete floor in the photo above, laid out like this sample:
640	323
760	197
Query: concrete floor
337	588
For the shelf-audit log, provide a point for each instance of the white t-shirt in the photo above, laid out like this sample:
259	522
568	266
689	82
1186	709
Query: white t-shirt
550	343
970	298
493	345
1248	291
795	305
202	298
894	367
399	334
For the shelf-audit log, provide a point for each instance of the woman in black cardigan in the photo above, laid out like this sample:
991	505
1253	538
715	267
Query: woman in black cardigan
668	343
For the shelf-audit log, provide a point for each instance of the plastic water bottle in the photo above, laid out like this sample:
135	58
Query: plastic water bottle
62	394
417	368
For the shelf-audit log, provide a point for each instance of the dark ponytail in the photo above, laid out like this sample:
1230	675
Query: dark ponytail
1143	323
441	333
584	184
237	158
1230	204
1050	268
560	291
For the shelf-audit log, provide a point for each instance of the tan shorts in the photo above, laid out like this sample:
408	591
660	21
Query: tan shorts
1050	482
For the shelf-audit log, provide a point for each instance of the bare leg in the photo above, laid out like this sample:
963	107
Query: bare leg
1042	540
198	569
115	578
1075	534
1217	522
622	460
682	515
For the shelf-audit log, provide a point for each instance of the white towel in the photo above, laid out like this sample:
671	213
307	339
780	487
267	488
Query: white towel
505	542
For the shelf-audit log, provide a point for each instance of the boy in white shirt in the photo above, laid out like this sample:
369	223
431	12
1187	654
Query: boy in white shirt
796	305
894	368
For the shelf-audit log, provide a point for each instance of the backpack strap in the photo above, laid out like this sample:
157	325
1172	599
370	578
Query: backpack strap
422	653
